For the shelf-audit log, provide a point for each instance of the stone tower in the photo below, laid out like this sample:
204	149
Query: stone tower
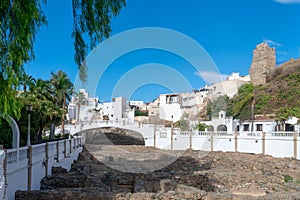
263	62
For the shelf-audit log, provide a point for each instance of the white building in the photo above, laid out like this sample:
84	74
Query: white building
267	124
229	87
89	108
261	123
222	123
136	103
154	108
170	107
107	111
118	111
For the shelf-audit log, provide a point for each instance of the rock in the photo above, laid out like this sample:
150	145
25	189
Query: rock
216	176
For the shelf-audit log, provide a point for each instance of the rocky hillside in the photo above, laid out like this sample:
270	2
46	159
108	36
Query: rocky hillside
282	91
280	96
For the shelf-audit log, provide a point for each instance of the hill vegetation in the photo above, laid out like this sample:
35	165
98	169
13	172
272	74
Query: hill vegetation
280	96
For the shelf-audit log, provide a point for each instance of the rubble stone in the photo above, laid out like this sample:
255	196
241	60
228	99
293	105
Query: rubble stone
218	175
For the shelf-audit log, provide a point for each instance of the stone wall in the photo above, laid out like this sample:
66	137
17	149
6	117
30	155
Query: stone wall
263	63
112	135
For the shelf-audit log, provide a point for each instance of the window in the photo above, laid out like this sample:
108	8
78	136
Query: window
246	127
163	135
174	99
259	127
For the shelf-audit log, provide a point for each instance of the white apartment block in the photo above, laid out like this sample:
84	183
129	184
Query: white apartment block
120	108
229	87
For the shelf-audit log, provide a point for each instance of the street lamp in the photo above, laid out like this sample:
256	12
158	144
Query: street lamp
29	109
252	117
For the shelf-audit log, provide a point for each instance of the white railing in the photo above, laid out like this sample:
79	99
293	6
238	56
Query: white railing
26	166
203	133
282	134
38	149
2	178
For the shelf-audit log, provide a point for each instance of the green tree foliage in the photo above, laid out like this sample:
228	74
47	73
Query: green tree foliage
279	96
20	21
47	99
201	127
215	106
241	103
80	100
140	113
183	124
63	88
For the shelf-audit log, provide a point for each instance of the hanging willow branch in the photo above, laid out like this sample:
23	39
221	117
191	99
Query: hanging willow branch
92	20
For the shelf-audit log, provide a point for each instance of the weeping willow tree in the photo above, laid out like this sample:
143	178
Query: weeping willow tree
91	20
20	21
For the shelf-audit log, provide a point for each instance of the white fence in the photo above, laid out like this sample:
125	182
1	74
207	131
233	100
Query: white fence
277	144
23	168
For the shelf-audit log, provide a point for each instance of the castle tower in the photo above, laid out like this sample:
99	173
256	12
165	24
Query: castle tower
263	62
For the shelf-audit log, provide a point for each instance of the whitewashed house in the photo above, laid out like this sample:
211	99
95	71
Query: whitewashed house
107	111
267	124
170	107
222	123
118	111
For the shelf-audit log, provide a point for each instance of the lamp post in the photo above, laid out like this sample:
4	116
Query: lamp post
29	109
172	133
252	117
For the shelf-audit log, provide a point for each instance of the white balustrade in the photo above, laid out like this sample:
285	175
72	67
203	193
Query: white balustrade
43	158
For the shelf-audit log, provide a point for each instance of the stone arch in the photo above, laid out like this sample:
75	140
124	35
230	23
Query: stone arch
222	127
112	136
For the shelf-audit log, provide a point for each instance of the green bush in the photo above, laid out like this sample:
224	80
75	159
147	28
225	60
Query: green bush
288	178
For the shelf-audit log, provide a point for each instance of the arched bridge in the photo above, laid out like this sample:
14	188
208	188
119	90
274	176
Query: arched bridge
114	133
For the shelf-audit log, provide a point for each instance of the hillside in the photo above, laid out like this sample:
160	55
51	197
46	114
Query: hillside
279	96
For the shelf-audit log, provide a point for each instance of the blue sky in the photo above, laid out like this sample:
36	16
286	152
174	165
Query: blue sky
228	30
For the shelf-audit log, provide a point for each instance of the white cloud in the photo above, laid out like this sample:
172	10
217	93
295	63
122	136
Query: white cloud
283	53
271	42
288	1
211	77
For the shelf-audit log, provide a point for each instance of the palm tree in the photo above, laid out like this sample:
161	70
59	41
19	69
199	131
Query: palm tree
80	100
47	110
44	110
63	89
27	80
